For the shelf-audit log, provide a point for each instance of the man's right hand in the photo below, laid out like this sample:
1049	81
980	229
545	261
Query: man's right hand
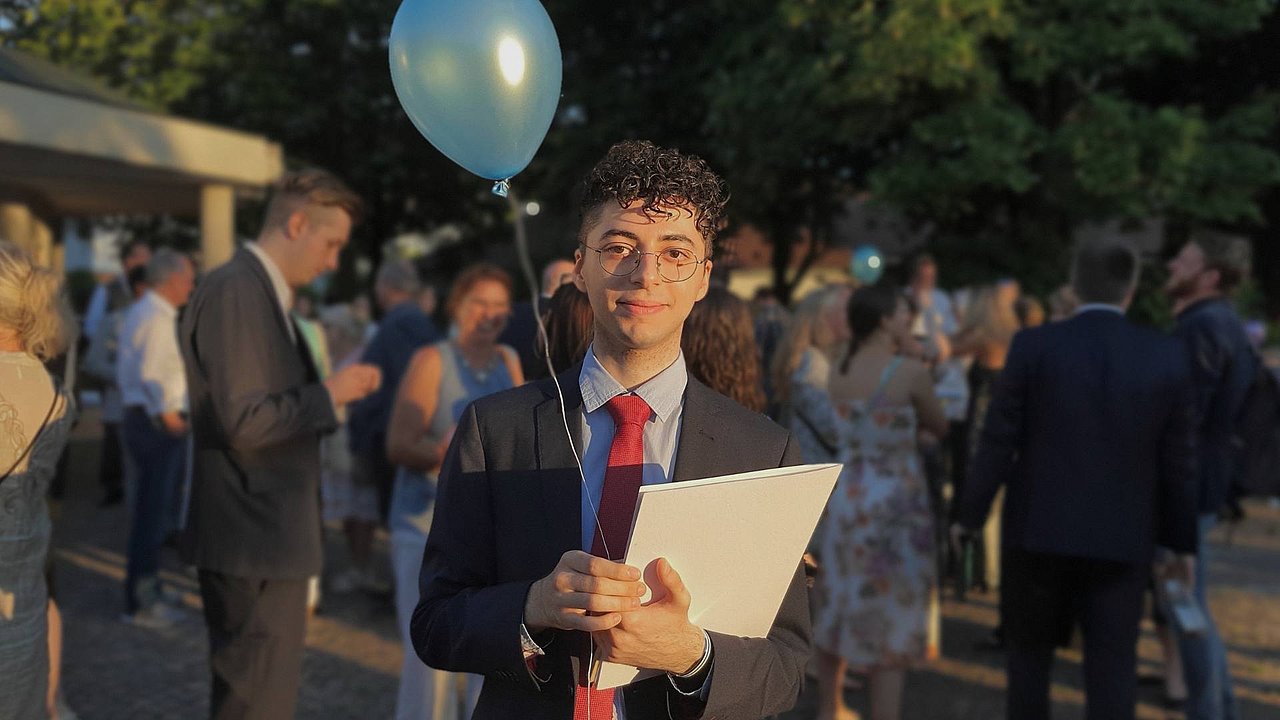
173	423
353	383
583	592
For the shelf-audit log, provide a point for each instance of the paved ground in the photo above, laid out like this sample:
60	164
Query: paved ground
115	671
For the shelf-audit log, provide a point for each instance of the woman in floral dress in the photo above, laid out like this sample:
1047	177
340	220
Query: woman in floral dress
875	544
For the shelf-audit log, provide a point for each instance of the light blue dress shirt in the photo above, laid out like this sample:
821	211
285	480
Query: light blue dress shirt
665	394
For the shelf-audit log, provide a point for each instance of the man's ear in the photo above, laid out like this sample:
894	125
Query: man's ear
578	281
1214	278
296	224
705	280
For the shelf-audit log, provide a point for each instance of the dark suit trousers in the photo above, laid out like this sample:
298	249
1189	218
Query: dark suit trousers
256	632
1042	596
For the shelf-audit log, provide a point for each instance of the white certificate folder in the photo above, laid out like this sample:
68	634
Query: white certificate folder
735	540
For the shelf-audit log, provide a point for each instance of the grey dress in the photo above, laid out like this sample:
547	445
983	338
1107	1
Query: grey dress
26	398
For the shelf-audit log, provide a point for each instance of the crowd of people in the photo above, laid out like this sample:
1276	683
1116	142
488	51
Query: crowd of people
985	447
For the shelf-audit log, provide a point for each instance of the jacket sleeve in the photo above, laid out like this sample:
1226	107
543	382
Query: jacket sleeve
1209	360
1002	435
228	343
465	621
1178	487
757	677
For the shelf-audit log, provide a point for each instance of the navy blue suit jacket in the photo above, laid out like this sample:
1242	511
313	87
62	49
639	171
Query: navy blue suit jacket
1090	429
509	507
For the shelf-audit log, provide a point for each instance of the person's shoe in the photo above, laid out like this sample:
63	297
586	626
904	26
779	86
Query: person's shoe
994	641
346	581
156	616
173	596
371	583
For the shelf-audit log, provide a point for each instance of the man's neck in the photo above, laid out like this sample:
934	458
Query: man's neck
1182	303
632	367
10	342
160	293
272	248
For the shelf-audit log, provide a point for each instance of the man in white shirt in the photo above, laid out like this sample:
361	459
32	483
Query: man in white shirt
109	301
153	388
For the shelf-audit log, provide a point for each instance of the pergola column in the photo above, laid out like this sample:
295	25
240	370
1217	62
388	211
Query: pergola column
217	225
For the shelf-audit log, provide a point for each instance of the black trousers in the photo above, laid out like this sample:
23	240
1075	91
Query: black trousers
111	464
1042	597
256	631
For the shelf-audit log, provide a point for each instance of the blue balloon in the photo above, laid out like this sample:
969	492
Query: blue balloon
867	264
479	78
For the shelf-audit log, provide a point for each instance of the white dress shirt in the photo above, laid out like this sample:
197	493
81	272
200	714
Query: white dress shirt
284	293
149	369
1108	307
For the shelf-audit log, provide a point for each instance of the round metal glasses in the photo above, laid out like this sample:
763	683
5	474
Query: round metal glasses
675	264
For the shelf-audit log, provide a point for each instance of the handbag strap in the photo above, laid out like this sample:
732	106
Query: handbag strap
36	438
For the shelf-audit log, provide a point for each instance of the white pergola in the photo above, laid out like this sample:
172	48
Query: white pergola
69	148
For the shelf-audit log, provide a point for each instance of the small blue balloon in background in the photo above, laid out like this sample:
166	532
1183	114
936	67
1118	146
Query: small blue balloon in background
867	264
480	79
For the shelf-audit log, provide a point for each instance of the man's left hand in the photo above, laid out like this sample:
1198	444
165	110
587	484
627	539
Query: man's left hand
659	635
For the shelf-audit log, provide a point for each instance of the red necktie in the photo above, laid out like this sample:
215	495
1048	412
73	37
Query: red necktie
622	479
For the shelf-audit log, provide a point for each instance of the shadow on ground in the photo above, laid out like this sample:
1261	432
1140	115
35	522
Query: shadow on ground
113	671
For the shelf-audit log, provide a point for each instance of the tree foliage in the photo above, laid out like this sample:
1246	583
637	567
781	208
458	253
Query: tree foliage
998	127
1001	126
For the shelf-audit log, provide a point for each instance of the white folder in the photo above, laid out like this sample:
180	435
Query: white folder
735	540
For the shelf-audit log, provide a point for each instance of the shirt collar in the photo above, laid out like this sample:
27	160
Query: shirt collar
284	293
1088	307
161	304
664	392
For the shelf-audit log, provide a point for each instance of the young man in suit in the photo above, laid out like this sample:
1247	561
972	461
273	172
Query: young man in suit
1090	431
258	409
509	588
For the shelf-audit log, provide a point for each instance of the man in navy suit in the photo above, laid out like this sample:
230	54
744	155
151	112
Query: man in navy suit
508	588
1090	430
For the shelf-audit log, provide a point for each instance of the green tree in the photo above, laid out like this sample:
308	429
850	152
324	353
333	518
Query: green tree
310	74
999	126
155	51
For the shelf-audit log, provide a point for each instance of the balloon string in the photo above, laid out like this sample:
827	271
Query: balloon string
531	278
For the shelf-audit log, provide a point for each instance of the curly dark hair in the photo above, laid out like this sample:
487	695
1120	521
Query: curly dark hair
719	344
661	177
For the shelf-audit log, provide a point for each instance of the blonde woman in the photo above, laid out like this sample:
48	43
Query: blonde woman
985	336
802	367
35	418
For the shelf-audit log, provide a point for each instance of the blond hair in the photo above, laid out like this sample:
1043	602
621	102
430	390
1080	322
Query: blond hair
807	329
297	190
988	320
32	304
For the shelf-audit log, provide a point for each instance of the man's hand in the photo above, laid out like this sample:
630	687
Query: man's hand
1179	567
173	423
583	592
659	635
353	383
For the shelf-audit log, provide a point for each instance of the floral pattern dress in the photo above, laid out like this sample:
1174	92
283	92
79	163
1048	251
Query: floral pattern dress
877	576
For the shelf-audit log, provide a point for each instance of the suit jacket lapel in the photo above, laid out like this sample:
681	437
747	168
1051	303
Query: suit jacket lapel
696	452
561	484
